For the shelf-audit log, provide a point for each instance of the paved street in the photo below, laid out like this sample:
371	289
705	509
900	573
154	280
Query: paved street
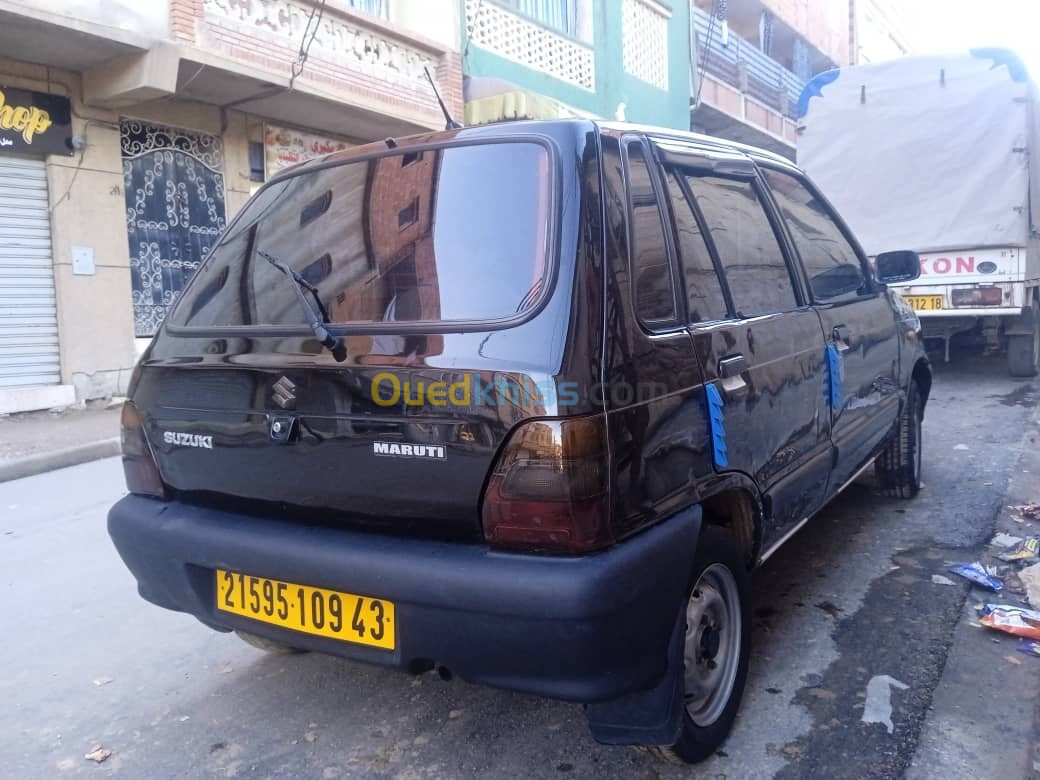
85	662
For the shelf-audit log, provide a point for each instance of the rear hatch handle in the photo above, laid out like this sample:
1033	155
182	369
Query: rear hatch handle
316	319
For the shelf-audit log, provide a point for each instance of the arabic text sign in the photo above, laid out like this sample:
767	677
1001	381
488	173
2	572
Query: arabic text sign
284	147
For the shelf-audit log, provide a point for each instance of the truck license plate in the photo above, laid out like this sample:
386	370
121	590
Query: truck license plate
925	302
328	613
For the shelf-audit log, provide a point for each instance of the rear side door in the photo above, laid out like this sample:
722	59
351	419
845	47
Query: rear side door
757	342
858	321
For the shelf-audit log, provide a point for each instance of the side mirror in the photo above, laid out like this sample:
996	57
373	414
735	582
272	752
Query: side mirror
840	280
894	267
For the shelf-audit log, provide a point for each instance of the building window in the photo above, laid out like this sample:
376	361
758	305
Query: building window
374	7
645	41
501	28
256	161
409	215
560	15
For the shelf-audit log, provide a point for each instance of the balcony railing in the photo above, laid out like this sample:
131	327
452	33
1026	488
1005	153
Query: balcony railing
745	67
497	28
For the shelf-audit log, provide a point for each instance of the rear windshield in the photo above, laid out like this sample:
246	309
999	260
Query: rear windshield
447	234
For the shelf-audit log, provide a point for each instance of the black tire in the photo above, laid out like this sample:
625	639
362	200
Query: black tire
707	727
1024	349
898	467
268	645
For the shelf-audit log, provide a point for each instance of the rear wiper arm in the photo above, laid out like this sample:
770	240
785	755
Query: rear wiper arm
316	319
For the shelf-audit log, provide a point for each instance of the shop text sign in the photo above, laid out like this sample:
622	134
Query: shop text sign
284	147
34	122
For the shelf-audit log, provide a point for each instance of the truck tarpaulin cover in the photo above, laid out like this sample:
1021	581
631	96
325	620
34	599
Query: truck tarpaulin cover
926	153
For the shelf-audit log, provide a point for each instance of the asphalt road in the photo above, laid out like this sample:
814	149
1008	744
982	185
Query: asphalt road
85	662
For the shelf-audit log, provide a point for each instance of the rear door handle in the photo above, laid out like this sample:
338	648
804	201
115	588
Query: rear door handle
730	373
840	337
732	366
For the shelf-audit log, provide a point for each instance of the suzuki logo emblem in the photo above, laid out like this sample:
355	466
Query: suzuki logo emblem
285	393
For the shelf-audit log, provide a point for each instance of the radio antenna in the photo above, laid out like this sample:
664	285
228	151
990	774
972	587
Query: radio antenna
449	123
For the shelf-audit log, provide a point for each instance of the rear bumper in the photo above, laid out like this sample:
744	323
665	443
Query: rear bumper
586	629
981	311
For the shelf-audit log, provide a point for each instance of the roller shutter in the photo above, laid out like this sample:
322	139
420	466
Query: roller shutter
28	315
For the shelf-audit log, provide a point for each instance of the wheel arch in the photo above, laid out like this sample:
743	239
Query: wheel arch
733	501
922	374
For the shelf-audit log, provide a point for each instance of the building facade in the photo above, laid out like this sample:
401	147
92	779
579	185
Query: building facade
881	30
755	56
612	59
130	133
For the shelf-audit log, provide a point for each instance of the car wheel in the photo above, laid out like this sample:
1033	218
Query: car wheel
898	467
268	645
716	647
1024	351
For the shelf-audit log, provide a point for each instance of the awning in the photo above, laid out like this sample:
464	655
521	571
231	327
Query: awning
494	100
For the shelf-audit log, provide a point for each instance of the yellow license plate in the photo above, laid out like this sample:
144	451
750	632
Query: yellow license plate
329	613
925	302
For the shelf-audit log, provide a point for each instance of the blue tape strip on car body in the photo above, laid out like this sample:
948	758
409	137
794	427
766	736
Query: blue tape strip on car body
716	419
835	376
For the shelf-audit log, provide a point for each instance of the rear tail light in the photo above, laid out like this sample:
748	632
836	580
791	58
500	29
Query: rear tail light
549	488
139	466
977	296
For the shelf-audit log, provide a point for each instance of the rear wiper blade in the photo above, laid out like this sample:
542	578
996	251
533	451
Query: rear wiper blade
316	319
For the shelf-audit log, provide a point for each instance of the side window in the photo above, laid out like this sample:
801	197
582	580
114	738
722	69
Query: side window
751	258
704	296
831	264
652	274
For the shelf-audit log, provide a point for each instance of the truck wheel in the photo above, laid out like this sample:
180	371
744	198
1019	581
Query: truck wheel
1024	351
268	645
716	647
898	467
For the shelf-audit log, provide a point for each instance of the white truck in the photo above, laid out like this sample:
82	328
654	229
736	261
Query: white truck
940	155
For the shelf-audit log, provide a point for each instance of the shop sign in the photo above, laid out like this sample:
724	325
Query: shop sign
35	122
284	147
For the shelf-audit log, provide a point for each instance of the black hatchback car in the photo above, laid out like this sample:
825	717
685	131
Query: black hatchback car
528	402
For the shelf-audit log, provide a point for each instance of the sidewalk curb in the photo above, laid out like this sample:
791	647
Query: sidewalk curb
984	718
59	459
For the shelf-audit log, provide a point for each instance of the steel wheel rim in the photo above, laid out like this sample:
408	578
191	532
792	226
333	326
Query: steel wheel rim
711	652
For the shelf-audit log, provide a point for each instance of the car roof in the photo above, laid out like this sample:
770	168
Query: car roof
529	126
698	138
397	144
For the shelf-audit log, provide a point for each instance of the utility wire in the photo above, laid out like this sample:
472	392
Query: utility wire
470	28
309	33
704	55
79	164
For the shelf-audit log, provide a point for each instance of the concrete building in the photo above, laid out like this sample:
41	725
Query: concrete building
613	59
881	30
754	57
130	133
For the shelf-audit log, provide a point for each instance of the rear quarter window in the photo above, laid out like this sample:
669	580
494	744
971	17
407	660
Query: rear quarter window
452	234
653	285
